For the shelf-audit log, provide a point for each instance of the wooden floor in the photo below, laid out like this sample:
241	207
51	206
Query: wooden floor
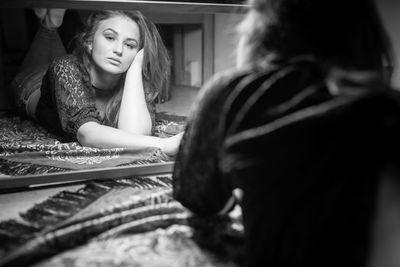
181	100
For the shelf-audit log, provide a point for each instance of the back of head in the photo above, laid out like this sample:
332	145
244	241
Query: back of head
310	181
339	33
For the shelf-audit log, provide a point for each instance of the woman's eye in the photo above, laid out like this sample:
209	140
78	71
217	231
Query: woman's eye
131	46
110	38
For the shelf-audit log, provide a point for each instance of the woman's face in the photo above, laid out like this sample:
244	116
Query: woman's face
115	44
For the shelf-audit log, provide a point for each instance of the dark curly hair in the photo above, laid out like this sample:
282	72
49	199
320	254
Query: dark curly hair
338	33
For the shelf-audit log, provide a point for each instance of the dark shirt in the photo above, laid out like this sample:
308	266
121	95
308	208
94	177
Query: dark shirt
66	101
222	111
301	152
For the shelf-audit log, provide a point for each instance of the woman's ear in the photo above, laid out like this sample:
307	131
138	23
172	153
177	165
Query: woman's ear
88	46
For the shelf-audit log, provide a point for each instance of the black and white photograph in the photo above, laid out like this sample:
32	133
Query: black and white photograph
218	133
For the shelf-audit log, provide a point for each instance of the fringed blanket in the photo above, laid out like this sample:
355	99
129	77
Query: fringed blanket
132	221
27	148
126	222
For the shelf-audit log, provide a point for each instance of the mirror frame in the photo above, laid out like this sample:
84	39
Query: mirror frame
157	11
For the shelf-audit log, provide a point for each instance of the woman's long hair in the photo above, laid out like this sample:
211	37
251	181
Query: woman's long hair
338	33
156	62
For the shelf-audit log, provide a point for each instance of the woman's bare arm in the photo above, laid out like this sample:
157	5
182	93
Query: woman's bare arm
93	134
134	117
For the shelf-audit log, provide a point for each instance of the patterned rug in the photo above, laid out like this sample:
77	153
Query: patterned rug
27	148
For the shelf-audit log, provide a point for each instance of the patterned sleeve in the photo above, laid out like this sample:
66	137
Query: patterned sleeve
74	98
197	180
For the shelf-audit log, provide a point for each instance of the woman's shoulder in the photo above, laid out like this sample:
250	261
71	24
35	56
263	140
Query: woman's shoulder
68	69
215	91
259	70
65	62
226	79
224	83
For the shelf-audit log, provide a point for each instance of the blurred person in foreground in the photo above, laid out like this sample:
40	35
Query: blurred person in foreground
307	131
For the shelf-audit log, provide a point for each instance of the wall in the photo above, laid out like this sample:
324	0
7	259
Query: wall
192	46
13	41
3	98
390	11
225	41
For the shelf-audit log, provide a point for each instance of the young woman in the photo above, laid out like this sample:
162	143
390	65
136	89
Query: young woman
301	132
101	95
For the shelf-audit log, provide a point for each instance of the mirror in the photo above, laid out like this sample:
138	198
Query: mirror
200	40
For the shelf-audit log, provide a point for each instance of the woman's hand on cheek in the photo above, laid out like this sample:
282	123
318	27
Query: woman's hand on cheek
138	60
136	65
171	144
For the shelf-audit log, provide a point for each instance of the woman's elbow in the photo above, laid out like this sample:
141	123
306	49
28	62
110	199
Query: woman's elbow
84	134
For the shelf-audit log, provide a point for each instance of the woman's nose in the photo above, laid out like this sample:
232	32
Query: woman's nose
118	48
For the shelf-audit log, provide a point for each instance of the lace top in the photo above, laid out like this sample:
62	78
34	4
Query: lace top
67	101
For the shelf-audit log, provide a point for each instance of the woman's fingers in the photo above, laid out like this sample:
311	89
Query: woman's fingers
171	144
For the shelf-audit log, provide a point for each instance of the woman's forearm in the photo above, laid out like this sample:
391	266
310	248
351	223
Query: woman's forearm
92	134
134	117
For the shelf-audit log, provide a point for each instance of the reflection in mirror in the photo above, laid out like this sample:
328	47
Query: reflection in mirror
199	45
198	50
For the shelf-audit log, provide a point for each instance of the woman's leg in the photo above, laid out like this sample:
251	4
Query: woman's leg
46	44
45	47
